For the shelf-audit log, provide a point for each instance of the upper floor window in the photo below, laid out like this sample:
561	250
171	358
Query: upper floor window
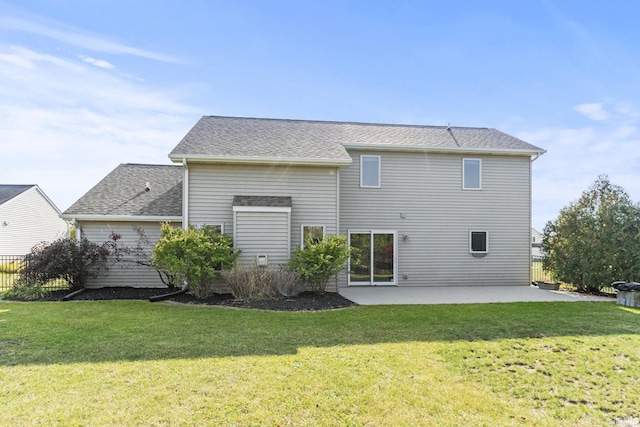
370	171
471	174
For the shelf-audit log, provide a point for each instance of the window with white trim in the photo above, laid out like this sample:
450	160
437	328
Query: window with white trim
370	171
313	233
472	174
219	227
478	242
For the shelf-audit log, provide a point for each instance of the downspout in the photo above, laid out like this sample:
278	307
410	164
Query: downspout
78	230
338	201
163	297
530	212
185	194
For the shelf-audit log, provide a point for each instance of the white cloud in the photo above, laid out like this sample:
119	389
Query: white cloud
592	111
97	62
576	157
26	58
79	38
64	125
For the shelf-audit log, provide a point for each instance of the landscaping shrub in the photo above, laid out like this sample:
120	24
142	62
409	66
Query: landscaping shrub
26	292
138	255
288	283
194	256
66	259
595	240
319	261
256	283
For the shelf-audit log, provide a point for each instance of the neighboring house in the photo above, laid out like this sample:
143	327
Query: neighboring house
27	217
536	244
424	205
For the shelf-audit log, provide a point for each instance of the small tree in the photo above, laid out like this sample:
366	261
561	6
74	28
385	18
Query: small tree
319	261
138	255
595	241
66	259
194	256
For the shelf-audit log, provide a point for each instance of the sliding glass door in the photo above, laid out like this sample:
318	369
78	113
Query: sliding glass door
374	258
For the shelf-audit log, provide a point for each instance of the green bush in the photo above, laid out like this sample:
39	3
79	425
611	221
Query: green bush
26	292
193	256
257	283
595	240
66	259
319	261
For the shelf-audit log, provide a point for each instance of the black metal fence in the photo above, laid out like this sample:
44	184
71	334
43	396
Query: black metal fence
10	266
537	273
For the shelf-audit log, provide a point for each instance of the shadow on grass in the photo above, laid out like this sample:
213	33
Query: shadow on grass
109	331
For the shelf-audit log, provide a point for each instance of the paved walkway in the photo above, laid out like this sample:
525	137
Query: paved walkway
380	295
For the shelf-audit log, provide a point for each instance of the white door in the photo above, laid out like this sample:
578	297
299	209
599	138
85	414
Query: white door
374	258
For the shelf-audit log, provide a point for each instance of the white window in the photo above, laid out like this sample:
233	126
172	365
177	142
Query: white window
471	174
370	171
313	233
478	242
219	227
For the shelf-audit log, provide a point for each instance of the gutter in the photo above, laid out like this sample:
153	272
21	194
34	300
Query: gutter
250	160
444	150
121	218
536	157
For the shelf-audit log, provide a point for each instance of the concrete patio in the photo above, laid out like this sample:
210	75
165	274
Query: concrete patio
383	295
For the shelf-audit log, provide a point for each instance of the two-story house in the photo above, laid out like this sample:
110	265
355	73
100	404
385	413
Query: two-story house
424	205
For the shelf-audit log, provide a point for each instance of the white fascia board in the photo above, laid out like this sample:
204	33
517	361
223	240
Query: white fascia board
420	148
262	209
251	160
131	218
48	200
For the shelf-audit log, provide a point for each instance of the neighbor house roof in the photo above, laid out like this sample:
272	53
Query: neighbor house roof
133	191
239	139
8	192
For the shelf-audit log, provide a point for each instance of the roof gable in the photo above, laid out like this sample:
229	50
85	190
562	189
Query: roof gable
8	192
133	190
237	139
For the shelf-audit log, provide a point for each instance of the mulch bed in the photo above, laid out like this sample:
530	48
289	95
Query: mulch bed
306	301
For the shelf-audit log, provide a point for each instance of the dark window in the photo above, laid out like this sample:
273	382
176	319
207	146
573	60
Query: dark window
479	242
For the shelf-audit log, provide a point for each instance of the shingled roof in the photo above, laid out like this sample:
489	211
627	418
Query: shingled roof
8	192
124	193
262	201
238	139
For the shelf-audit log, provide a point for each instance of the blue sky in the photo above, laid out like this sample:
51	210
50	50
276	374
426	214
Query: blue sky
86	85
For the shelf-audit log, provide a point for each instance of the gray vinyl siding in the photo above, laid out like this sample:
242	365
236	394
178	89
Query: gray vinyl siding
313	192
30	219
426	189
263	233
127	273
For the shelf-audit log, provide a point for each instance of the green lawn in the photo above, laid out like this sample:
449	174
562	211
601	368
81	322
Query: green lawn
137	363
